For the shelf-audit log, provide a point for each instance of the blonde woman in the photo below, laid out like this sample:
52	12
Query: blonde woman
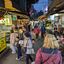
49	53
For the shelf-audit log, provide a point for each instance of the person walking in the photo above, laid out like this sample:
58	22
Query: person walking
19	51
37	31
12	42
56	33
28	49
43	30
33	35
49	53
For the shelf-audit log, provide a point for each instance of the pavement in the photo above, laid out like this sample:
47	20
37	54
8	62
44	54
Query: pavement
10	58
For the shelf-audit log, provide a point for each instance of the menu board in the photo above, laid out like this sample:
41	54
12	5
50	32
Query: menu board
2	41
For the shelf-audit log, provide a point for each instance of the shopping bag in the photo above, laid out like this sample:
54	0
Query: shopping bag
21	42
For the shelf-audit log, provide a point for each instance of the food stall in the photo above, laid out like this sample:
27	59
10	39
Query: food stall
4	36
5	26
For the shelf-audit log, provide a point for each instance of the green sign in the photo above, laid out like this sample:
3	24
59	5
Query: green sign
14	17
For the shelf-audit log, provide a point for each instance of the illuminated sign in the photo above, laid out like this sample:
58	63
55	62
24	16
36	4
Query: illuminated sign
14	17
8	19
5	21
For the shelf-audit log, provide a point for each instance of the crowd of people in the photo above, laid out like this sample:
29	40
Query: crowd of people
25	37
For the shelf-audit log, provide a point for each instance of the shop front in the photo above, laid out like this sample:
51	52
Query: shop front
5	27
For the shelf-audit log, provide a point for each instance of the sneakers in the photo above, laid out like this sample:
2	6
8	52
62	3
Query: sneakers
19	58
33	63
13	52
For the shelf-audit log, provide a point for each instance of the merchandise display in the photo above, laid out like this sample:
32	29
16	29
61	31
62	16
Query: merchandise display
2	41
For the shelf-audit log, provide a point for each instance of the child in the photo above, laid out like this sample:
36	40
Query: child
19	52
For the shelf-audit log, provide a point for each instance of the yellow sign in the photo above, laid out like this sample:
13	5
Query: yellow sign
2	41
8	5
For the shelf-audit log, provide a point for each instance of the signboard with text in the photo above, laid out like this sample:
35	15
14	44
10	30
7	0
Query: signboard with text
5	21
2	41
14	17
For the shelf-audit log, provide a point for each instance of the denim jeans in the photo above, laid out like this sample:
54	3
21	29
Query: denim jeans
19	52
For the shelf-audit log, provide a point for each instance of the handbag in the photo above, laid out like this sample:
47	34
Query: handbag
21	42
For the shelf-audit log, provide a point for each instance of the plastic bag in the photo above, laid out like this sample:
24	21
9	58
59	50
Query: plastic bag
21	42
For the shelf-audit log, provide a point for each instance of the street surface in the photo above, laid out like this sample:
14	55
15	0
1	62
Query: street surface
11	58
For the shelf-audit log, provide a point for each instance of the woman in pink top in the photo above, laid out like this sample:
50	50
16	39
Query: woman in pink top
12	41
49	53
